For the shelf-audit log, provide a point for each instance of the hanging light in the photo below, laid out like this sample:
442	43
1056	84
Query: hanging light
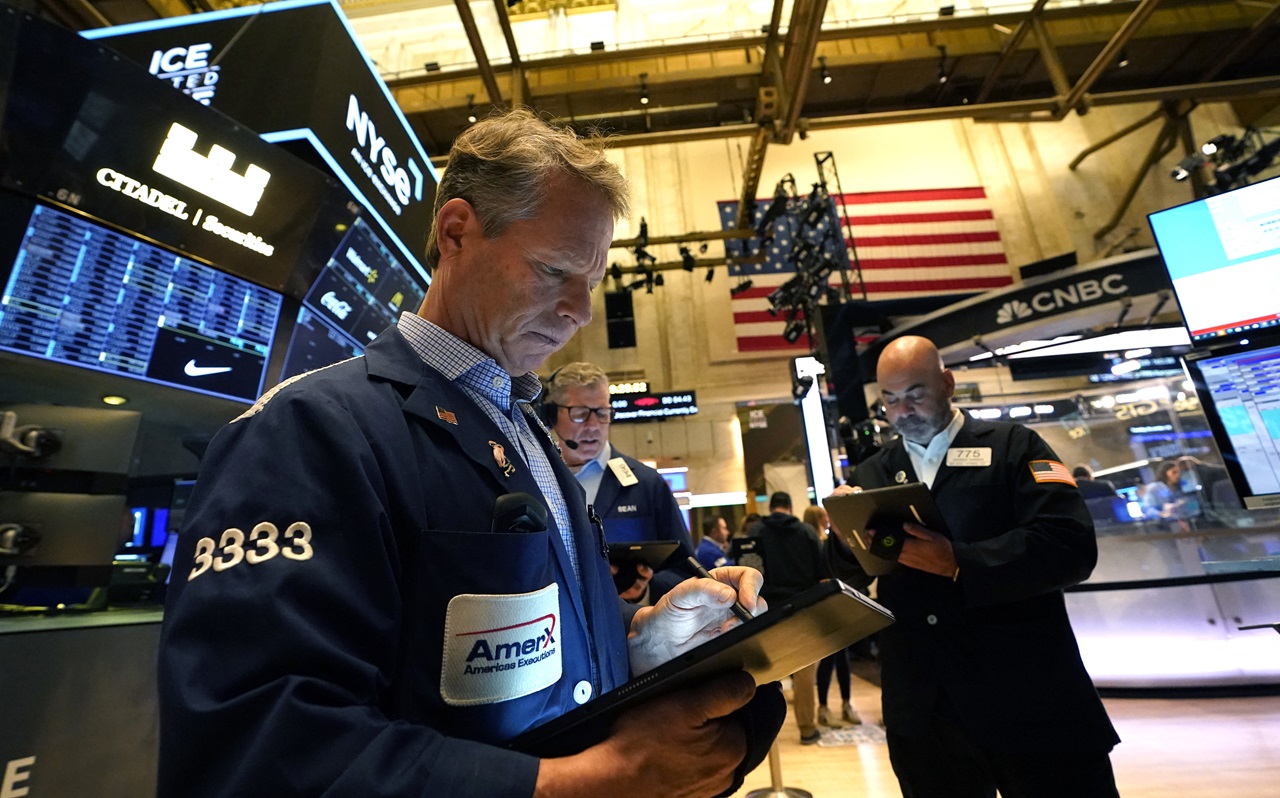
471	109
822	70
644	88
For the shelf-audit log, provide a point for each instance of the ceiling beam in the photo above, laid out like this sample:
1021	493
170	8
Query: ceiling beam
1256	31
1010	47
519	86
477	48
1107	57
1012	111
797	63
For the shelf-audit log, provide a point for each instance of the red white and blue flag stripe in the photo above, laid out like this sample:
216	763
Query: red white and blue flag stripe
909	243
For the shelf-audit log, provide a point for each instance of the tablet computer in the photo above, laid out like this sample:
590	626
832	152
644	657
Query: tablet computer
653	553
816	623
884	510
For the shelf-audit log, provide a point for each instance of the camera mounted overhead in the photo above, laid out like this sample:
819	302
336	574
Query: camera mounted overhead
29	440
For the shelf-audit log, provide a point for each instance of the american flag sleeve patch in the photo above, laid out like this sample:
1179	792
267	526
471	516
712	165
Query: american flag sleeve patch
1051	471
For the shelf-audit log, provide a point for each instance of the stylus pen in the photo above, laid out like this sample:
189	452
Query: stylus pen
742	612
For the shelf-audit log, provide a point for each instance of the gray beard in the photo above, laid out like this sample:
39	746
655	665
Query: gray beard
919	430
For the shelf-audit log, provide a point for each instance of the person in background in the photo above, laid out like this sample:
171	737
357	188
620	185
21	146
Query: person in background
633	501
838	663
750	525
1213	483
1091	488
983	687
793	563
1162	500
366	601
713	547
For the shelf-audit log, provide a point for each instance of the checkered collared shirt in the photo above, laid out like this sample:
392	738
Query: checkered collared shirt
500	397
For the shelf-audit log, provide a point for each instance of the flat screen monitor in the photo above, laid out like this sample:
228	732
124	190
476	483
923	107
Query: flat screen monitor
359	293
1223	256
1239	392
88	296
85	439
69	539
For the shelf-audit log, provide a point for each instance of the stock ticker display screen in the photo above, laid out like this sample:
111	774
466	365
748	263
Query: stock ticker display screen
357	295
87	296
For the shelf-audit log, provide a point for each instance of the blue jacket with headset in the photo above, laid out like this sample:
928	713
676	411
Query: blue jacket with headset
343	620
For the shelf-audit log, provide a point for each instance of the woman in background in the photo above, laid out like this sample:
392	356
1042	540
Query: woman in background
816	517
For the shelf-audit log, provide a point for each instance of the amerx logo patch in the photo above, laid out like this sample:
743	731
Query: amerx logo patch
500	647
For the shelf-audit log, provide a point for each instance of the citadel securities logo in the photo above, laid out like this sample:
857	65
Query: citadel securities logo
210	174
1082	292
500	647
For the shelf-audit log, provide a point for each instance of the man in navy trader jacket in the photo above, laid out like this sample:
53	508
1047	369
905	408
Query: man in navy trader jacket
983	685
344	620
633	501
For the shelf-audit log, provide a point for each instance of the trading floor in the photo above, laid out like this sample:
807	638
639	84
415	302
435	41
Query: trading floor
1188	747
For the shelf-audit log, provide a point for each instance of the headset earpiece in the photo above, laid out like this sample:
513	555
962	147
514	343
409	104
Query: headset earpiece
547	409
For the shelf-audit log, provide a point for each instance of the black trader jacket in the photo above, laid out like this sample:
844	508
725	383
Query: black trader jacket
792	557
993	649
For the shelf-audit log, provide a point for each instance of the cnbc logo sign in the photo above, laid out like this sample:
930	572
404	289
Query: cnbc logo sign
1052	300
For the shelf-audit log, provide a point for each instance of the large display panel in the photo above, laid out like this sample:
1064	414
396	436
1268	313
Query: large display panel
1223	256
1240	395
86	129
359	293
87	296
294	71
67	539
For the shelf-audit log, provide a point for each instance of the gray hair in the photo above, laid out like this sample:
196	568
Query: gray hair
502	164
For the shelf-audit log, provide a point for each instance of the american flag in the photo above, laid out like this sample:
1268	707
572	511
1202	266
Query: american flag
909	243
1051	471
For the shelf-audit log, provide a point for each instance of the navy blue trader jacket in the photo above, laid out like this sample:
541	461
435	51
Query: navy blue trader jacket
342	620
646	510
992	649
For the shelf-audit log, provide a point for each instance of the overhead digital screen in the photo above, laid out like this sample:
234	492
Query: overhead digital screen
359	293
1223	256
87	296
1240	395
91	131
295	72
653	406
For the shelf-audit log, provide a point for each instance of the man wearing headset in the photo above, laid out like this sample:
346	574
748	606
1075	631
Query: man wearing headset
633	500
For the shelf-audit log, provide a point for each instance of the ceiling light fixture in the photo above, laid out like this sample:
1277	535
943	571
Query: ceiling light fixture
711	274
114	400
740	287
687	261
471	108
644	88
942	63
822	70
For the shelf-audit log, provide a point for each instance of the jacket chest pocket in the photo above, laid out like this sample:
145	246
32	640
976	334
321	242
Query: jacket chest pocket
487	562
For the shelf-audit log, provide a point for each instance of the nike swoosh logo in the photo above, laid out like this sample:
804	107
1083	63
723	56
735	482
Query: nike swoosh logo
192	370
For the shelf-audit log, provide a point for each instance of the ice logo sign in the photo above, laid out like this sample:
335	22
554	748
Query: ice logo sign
210	175
188	69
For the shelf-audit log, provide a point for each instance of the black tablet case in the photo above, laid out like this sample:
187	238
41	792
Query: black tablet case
653	553
771	646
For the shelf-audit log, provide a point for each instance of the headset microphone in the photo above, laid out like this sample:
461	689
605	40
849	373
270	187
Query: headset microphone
570	442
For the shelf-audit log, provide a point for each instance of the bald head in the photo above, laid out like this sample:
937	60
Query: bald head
915	387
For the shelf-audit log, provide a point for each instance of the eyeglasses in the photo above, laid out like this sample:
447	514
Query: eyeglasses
579	415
